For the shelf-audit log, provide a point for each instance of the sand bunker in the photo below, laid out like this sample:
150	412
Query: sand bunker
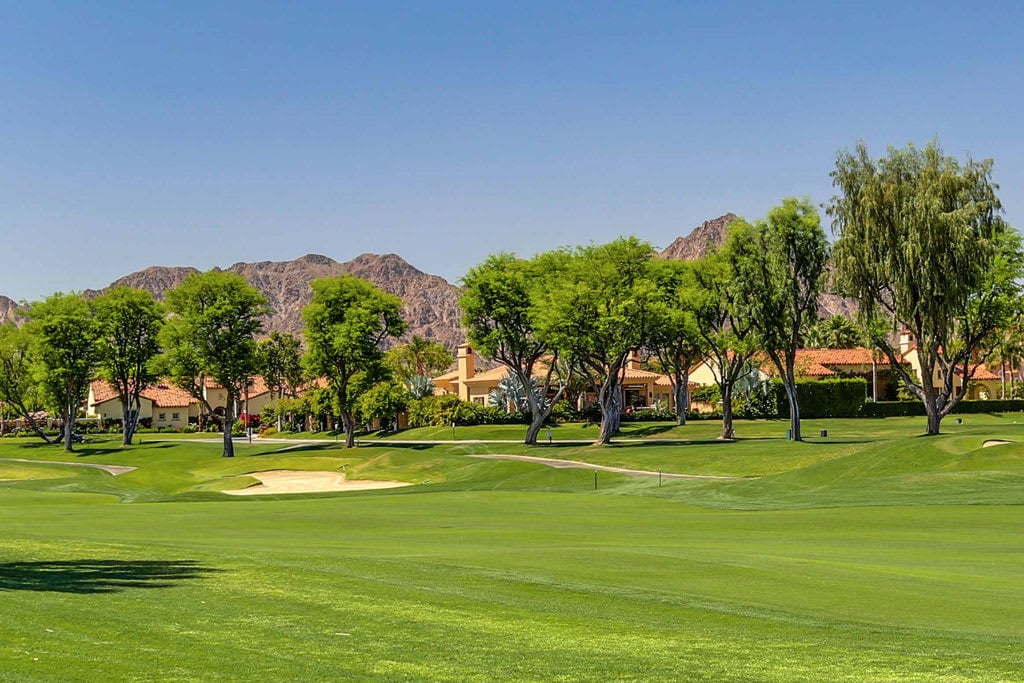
994	442
299	481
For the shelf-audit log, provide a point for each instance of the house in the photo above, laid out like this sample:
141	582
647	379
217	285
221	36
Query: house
982	383
869	364
166	405
640	388
170	406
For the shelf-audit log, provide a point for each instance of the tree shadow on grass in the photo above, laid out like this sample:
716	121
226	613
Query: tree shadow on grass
98	576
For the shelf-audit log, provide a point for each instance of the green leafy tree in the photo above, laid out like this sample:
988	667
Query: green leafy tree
598	312
923	247
65	332
212	334
674	336
777	266
836	332
383	401
130	321
418	358
279	360
346	322
500	311
728	336
18	389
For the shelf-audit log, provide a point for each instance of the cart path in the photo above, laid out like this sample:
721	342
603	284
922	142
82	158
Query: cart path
576	464
112	469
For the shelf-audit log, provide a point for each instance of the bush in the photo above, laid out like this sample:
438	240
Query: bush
189	429
841	397
648	416
916	408
561	412
442	411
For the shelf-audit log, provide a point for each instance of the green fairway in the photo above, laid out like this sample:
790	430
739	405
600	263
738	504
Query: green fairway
872	554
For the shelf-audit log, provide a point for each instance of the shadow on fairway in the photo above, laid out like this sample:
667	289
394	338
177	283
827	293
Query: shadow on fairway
98	576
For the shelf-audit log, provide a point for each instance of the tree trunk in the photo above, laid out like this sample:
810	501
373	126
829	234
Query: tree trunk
348	424
931	405
934	419
229	444
533	431
34	425
127	423
794	410
728	433
69	427
611	413
681	395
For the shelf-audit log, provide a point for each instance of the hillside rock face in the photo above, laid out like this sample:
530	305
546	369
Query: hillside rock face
705	237
711	234
430	303
9	309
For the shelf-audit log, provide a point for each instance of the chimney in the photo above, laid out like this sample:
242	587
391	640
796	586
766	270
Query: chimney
467	369
633	361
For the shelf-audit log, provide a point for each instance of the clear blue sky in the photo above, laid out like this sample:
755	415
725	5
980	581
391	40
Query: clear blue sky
137	133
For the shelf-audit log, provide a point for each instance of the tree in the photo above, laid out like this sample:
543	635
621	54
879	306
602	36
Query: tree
17	382
279	360
65	333
727	333
674	336
129	324
499	309
212	335
383	401
418	358
923	247
836	332
346	322
599	312
777	267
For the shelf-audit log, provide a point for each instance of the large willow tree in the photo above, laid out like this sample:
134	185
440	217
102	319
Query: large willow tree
923	247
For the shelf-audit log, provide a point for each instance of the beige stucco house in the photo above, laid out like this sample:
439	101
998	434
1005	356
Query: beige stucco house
170	406
641	388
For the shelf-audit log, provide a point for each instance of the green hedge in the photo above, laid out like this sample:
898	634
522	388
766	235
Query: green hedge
841	397
916	408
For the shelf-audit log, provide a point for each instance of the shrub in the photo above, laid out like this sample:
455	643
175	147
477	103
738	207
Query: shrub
916	408
561	412
840	397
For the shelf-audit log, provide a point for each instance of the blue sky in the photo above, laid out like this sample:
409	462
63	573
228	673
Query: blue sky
135	134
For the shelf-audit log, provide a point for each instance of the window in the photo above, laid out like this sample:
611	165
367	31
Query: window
174	416
162	416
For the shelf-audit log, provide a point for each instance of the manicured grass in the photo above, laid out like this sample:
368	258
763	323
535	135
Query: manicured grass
871	555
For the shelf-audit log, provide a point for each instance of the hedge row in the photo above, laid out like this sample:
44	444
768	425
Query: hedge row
916	408
840	397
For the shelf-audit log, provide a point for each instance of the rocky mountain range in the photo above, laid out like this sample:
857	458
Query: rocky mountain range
430	302
9	309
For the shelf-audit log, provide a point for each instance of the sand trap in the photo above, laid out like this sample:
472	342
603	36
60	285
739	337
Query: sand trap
994	442
299	481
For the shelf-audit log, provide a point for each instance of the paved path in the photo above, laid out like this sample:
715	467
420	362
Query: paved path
112	469
562	464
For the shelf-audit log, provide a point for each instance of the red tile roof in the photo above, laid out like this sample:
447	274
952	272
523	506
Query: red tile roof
981	373
163	394
856	356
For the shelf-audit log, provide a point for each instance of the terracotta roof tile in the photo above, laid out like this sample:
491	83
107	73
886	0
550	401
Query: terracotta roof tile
163	394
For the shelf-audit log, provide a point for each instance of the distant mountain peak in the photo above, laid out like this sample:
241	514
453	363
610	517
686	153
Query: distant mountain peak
430	303
705	237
